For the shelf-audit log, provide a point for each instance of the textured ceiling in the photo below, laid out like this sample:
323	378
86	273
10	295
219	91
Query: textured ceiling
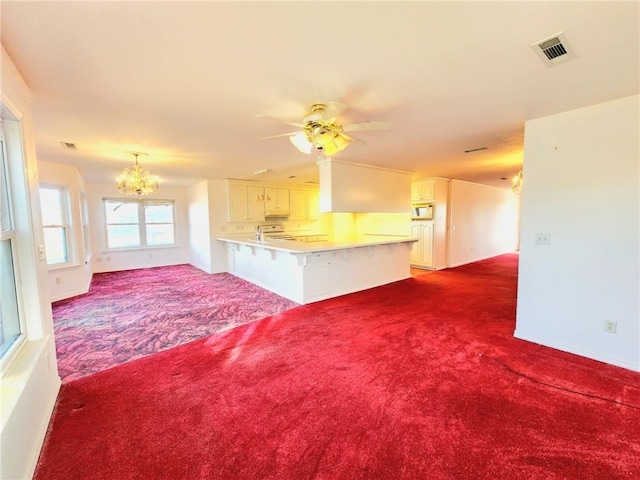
194	84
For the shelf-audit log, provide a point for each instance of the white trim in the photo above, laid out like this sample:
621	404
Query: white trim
576	350
66	295
328	160
460	264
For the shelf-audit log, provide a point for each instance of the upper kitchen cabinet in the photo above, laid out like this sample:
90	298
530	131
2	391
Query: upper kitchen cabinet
423	191
276	202
246	203
305	204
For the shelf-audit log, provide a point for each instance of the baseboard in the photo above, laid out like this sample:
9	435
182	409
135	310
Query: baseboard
611	360
472	260
76	293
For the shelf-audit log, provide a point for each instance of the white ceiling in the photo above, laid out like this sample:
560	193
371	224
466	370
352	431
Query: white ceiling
186	81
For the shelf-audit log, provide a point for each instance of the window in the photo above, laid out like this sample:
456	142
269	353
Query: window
11	324
84	217
55	220
139	223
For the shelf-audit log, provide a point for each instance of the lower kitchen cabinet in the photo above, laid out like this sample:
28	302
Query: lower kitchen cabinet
422	251
317	275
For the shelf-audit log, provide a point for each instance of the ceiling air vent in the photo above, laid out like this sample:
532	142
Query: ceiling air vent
69	146
553	50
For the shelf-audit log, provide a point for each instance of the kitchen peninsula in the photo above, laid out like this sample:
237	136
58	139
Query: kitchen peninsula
309	272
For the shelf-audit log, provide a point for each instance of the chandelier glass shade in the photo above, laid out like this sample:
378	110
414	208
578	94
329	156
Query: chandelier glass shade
301	142
137	181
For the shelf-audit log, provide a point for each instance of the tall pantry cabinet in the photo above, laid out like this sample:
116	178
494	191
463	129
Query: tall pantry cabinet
430	251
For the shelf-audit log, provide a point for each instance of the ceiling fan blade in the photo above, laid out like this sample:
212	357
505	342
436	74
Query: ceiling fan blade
373	125
291	134
279	120
351	137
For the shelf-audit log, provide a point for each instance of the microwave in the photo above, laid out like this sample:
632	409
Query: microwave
422	211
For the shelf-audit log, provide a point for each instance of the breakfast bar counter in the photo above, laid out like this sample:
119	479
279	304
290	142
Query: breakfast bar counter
307	272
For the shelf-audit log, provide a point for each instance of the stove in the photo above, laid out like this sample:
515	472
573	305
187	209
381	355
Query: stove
276	230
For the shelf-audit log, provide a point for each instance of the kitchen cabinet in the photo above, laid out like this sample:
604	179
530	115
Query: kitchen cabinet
317	275
422	251
250	201
310	272
304	204
246	203
276	200
423	191
434	190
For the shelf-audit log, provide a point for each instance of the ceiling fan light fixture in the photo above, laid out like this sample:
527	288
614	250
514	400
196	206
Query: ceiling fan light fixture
321	132
322	135
301	142
338	142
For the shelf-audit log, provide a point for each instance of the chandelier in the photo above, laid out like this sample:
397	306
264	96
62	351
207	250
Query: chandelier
516	183
137	180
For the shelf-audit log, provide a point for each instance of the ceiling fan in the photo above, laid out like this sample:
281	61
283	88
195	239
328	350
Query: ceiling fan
321	132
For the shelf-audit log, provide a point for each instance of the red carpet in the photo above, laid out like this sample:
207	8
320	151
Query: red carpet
420	379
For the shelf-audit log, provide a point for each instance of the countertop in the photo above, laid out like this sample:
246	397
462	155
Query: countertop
292	246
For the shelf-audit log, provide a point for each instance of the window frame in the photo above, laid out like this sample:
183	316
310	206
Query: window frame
84	221
67	225
11	234
142	223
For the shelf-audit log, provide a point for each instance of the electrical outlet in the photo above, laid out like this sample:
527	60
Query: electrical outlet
99	259
610	326
543	238
58	281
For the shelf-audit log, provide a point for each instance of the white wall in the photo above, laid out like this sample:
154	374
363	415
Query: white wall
30	384
352	188
483	222
104	260
218	207
74	279
199	228
581	185
383	223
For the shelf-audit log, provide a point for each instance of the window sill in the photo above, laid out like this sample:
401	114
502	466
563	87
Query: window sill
64	266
